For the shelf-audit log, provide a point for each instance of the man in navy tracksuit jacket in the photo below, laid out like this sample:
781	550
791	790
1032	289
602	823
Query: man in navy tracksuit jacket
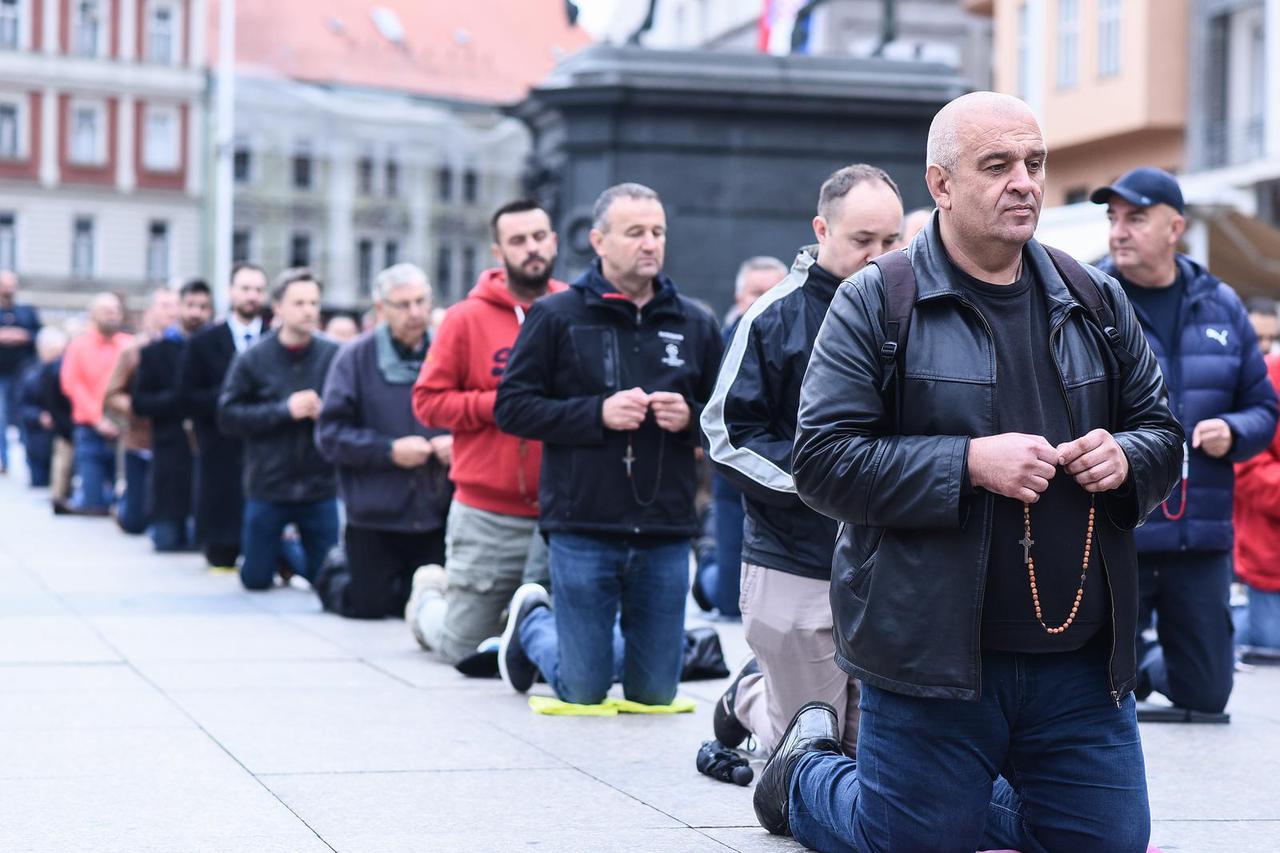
1219	391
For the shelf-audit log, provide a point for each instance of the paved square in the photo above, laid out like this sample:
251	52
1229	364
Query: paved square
149	705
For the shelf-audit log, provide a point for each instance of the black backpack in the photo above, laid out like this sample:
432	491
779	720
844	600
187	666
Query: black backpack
900	298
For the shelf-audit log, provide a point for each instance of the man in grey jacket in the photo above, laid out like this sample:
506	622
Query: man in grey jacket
392	471
271	399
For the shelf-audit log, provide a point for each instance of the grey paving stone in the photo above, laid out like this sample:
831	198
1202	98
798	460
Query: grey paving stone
109	709
258	636
142	753
273	674
1216	836
52	638
86	679
752	839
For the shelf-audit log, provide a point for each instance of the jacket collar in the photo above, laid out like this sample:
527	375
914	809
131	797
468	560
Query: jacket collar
1199	282
935	276
598	292
820	287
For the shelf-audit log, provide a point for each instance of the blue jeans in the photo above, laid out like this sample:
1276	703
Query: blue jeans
171	534
132	514
1258	622
7	390
264	521
730	516
931	773
95	461
1193	664
576	646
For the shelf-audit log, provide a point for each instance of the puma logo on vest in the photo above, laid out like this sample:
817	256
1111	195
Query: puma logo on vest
1219	336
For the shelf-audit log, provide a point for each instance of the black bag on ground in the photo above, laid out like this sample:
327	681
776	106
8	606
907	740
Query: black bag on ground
703	657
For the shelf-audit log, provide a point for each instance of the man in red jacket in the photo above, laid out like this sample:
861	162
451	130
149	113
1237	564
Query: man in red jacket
492	544
1257	523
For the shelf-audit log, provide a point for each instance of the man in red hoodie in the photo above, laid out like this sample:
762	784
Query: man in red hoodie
492	544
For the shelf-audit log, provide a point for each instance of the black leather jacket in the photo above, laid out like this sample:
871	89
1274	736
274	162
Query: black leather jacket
911	559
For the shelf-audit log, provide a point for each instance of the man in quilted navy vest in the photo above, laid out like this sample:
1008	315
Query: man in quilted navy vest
1218	390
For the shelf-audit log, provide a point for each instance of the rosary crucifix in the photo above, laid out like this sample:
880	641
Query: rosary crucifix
1026	542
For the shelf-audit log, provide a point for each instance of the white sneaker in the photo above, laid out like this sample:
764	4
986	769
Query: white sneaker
429	583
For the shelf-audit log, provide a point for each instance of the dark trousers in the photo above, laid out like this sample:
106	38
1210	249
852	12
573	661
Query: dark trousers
95	465
1189	594
133	513
1043	761
378	574
222	556
265	521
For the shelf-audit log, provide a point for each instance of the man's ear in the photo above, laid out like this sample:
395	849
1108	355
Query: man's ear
820	229
938	180
1177	227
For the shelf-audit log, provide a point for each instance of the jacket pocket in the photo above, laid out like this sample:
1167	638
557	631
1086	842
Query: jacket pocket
595	349
858	578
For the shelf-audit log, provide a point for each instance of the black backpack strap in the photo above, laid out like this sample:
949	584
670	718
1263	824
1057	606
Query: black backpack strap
1087	293
899	300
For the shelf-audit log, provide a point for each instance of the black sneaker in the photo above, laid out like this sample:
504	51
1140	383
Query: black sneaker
814	728
513	664
724	721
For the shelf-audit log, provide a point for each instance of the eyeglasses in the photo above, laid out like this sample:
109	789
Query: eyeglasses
405	306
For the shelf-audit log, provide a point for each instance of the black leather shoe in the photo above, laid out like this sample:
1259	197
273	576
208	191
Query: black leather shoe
814	728
724	721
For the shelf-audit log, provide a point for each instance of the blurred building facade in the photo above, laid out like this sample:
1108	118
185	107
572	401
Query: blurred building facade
102	158
371	134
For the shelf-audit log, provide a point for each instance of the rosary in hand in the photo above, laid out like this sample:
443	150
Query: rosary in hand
1026	542
630	459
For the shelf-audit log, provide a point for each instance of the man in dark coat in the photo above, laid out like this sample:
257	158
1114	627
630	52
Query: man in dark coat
35	419
19	325
392	471
1218	388
987	481
204	365
154	395
271	400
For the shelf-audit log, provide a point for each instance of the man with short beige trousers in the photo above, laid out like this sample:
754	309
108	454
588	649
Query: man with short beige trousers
750	424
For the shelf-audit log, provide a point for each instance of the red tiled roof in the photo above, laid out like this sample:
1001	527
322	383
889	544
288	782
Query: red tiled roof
478	50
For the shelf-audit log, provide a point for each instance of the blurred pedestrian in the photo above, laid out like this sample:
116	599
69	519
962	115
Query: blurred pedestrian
611	376
1257	545
207	357
1265	322
913	223
155	396
19	325
750	427
1218	388
341	328
271	400
36	421
492	543
133	511
392	471
86	367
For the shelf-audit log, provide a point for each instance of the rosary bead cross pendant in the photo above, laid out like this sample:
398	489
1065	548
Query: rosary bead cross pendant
1026	542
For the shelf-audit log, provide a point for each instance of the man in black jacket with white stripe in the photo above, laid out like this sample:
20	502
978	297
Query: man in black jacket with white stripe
611	376
750	425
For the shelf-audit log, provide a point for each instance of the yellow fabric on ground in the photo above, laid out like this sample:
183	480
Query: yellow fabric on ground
609	708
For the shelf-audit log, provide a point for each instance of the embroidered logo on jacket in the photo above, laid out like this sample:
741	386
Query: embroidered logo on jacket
1219	336
673	358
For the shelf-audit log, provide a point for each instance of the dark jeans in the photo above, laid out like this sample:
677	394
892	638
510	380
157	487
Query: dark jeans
379	569
265	521
8	385
133	514
95	461
171	534
729	518
931	773
1194	660
575	645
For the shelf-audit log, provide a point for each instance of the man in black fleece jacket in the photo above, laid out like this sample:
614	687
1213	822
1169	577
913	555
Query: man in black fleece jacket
270	400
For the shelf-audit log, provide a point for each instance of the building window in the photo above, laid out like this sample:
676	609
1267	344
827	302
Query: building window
242	164
1068	42
10	20
158	252
392	174
10	132
87	31
8	242
470	185
391	253
444	268
300	250
241	245
364	176
160	139
364	260
1076	195
444	183
88	135
82	248
1024	52
302	170
1109	12
468	265
160	31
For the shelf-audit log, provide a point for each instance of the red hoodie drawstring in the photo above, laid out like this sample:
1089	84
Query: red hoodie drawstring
1182	505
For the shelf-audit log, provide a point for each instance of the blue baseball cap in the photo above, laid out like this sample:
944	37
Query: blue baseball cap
1144	187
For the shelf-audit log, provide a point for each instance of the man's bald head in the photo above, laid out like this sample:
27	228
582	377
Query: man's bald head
106	313
961	116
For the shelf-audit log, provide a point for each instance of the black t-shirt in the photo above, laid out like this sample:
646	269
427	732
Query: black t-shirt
1160	307
1030	399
